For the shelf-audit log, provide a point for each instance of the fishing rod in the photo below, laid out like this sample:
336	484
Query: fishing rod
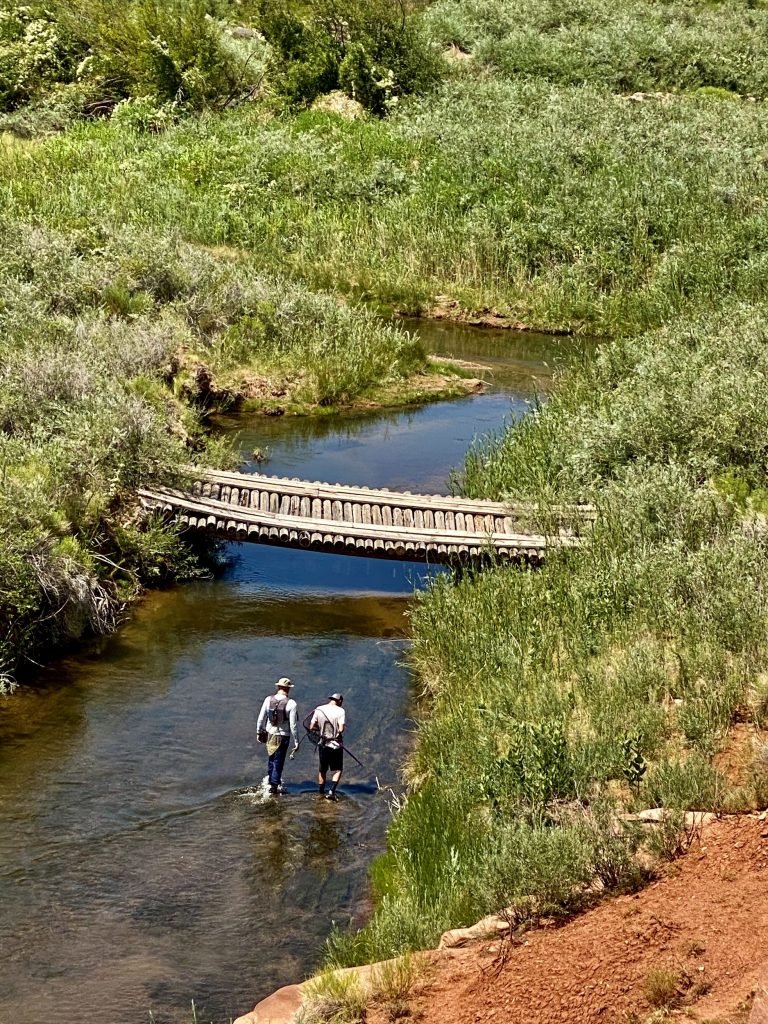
348	751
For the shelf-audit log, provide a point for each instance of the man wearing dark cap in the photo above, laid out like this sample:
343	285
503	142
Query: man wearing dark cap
275	727
329	720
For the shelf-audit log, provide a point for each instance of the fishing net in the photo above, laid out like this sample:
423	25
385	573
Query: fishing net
313	735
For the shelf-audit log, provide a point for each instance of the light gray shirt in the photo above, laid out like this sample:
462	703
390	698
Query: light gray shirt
330	719
285	728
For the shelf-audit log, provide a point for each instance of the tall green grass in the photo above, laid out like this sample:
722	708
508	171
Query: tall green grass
556	701
693	394
640	45
566	208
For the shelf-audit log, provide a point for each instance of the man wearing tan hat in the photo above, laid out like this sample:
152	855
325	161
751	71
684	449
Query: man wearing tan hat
275	727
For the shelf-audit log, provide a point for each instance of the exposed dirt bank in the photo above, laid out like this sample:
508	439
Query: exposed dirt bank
446	308
690	945
250	391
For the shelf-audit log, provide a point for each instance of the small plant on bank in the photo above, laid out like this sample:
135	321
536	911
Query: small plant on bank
393	981
661	988
334	998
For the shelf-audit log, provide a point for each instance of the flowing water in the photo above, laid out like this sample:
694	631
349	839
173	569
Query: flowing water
139	869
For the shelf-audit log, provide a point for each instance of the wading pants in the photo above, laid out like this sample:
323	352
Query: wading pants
277	761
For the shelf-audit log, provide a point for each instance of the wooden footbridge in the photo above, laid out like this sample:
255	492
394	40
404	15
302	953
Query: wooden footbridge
356	520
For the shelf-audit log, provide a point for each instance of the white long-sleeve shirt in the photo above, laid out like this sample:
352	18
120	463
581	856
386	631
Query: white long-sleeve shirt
285	728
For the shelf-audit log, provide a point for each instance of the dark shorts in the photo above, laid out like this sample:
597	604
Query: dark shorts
331	759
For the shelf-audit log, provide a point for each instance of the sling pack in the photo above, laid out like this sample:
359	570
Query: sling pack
318	736
277	714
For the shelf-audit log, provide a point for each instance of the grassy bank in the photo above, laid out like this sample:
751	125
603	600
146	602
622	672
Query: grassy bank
561	700
566	208
631	674
113	349
640	46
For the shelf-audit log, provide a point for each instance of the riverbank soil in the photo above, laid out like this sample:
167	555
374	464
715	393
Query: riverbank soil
691	946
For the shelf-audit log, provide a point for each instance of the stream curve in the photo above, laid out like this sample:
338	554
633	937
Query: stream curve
138	870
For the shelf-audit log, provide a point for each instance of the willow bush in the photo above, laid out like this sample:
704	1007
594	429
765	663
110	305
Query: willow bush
91	54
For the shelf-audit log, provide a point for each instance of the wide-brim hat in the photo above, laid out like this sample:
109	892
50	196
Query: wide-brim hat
283	683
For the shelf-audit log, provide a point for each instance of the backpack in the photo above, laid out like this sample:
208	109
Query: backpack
277	715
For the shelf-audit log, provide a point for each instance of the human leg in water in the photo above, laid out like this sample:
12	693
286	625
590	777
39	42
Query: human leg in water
277	747
331	760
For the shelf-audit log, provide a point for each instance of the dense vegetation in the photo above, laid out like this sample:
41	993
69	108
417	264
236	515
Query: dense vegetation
117	337
566	208
148	258
608	681
112	348
643	45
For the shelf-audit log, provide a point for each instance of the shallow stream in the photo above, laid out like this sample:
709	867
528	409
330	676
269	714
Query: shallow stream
138	869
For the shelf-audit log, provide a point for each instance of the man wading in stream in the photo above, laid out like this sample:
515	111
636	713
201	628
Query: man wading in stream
329	721
276	727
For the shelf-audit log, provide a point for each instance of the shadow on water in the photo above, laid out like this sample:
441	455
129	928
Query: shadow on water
138	868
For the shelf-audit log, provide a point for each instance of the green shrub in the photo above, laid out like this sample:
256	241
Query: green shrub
372	49
34	53
171	51
692	784
661	988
